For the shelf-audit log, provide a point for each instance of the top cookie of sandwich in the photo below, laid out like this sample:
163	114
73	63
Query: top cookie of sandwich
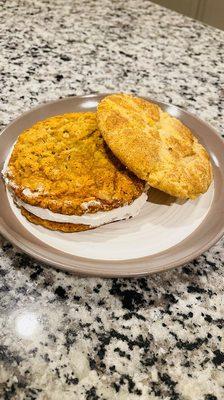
154	145
63	164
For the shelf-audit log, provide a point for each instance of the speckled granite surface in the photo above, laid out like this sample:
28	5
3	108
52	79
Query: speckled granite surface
63	337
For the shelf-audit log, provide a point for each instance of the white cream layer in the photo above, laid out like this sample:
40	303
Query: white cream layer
96	219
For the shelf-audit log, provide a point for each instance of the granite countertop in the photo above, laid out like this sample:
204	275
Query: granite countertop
64	337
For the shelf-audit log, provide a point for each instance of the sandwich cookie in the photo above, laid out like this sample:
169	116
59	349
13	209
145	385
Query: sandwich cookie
64	177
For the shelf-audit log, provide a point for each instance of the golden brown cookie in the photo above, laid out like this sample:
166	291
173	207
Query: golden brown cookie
154	145
62	162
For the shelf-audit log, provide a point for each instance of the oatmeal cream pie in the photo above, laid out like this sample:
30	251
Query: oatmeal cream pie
63	176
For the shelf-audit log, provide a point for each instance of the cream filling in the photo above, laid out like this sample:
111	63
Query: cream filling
5	169
93	220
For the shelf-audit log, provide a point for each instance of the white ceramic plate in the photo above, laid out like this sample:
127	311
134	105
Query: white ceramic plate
167	232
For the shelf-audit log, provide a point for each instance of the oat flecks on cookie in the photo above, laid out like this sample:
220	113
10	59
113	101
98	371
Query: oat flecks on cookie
62	162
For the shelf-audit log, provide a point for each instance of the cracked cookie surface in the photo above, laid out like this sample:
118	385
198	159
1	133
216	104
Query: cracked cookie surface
154	145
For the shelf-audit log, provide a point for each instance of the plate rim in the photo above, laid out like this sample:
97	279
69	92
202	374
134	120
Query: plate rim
107	272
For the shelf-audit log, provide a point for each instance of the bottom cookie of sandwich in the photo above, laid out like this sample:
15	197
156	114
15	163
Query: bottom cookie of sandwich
55	226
